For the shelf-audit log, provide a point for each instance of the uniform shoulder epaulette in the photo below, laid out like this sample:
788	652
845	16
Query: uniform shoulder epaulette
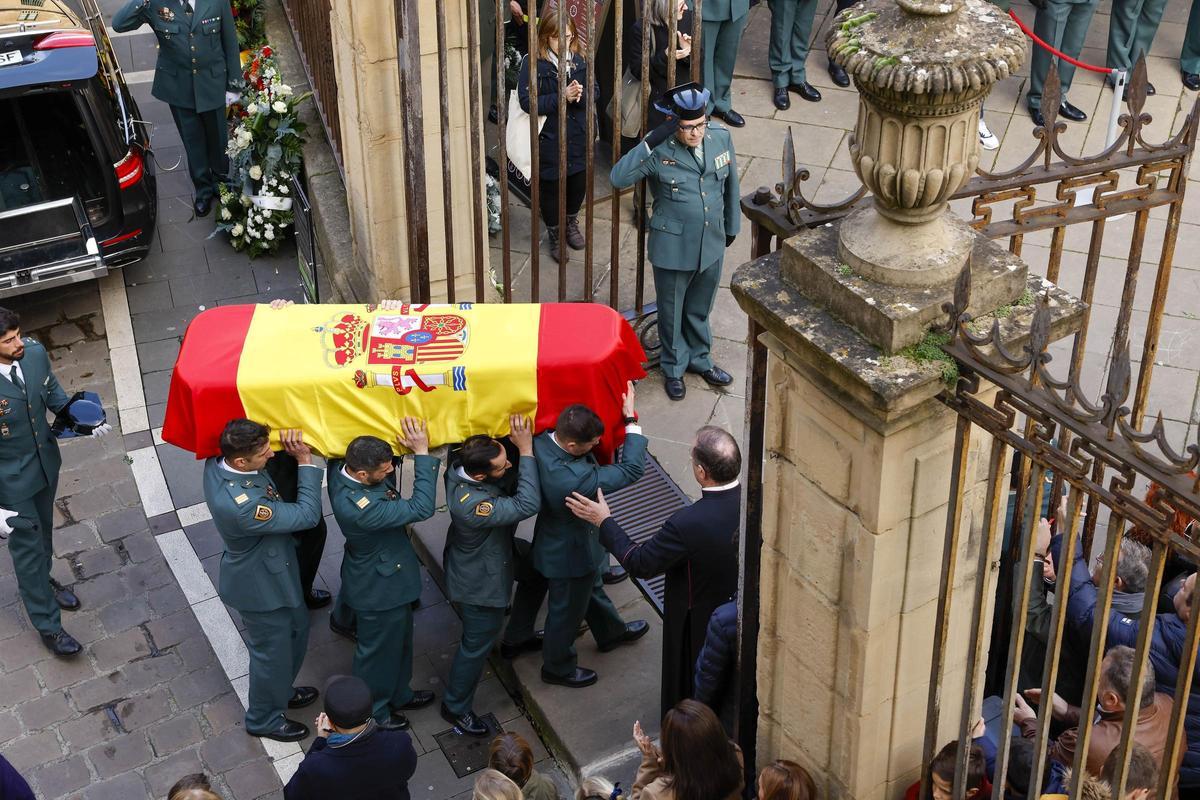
237	491
713	125
362	501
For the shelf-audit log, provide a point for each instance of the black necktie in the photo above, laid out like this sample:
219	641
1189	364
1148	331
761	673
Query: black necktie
187	7
16	378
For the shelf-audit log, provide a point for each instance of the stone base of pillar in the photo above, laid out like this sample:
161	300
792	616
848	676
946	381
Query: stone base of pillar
893	317
917	256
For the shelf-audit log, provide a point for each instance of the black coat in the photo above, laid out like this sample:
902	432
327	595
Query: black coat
713	683
697	550
578	138
660	35
374	767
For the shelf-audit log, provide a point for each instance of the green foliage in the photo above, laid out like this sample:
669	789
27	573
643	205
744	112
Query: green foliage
844	270
1026	298
250	17
929	351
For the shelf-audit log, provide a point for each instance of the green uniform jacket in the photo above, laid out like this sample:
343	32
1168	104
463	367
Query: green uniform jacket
565	546
380	569
197	54
721	10
693	210
29	459
259	571
483	519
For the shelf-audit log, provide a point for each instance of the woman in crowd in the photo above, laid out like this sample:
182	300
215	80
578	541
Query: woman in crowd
493	785
560	50
785	780
512	756
660	51
696	761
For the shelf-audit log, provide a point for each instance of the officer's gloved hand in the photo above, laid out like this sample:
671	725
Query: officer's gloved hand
729	240
663	132
101	430
5	515
231	98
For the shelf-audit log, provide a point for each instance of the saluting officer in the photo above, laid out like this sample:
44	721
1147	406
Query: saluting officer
198	74
484	512
692	170
381	576
29	464
260	576
567	550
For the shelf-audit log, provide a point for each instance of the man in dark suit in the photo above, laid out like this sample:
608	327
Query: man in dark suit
696	548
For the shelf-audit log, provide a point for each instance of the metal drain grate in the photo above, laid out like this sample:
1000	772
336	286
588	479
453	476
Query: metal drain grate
468	754
641	509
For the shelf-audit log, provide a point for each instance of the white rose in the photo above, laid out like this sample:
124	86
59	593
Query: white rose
284	174
279	107
269	235
237	230
284	90
225	214
252	109
283	188
255	172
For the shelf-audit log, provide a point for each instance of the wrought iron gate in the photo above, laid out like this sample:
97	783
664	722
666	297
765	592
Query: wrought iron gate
1088	431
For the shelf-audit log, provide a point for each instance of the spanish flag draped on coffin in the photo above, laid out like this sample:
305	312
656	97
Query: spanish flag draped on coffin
341	371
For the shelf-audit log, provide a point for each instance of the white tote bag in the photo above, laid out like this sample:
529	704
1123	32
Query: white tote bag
516	136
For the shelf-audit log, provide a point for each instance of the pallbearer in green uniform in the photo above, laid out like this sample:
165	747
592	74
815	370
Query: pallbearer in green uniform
1131	28
791	32
485	508
691	168
198	74
29	464
1189	56
721	35
260	576
567	550
1064	24
381	576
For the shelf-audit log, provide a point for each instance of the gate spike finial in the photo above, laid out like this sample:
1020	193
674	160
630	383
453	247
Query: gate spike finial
1039	329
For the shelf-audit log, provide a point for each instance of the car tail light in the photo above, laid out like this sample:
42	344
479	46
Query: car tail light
129	169
55	41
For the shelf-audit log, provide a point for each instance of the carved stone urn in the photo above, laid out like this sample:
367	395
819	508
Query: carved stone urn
922	68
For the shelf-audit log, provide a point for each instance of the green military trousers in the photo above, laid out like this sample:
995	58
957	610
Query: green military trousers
1131	28
1065	26
1189	55
32	550
791	32
277	640
481	627
685	299
569	602
720	43
204	138
383	657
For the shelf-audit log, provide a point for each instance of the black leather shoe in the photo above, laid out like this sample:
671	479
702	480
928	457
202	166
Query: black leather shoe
614	575
288	731
715	376
806	91
732	118
420	699
340	630
582	676
318	598
1073	113
303	696
202	207
838	75
509	651
62	643
1191	80
782	101
1036	115
396	722
466	723
633	631
675	388
65	598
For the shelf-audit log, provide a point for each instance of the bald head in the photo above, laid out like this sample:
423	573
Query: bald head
716	458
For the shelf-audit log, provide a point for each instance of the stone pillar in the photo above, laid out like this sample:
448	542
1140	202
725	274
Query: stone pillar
364	46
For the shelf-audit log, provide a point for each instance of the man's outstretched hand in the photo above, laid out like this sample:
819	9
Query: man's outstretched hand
593	511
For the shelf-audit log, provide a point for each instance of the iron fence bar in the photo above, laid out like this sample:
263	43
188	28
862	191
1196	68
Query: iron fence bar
444	120
1158	302
475	131
697	32
590	155
1086	294
941	634
1056	248
639	200
502	96
310	24
672	38
1176	737
566	47
618	120
408	48
535	157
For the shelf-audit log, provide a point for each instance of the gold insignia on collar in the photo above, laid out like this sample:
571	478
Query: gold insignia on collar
241	498
247	483
484	509
262	513
362	502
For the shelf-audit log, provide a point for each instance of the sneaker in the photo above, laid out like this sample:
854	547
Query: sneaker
987	139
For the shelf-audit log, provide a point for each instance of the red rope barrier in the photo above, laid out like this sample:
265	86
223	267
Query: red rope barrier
1082	65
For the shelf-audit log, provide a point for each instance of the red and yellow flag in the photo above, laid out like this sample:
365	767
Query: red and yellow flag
341	371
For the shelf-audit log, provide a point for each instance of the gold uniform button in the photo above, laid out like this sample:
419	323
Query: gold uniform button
195	72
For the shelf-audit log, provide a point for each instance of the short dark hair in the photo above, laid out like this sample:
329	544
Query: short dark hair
1020	767
1142	772
717	451
511	756
367	453
579	424
242	438
9	320
475	456
943	765
1117	671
